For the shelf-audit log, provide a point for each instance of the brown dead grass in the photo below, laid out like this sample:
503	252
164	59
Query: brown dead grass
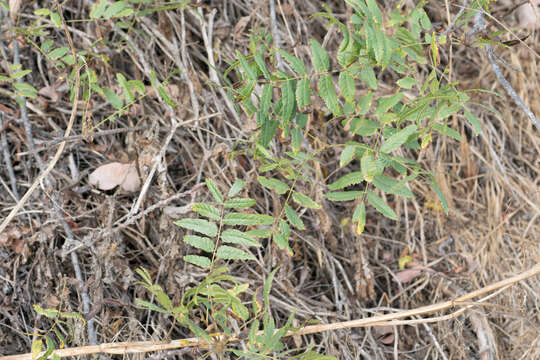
491	182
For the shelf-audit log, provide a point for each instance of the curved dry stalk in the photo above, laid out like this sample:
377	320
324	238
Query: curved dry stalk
380	320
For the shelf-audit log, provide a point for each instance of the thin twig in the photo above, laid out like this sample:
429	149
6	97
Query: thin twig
380	320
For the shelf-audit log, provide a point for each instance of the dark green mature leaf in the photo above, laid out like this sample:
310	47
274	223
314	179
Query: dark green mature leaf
200	225
328	94
266	100
398	139
320	59
293	218
381	206
226	252
287	92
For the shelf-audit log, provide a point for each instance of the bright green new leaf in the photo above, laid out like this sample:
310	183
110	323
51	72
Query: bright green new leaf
238	237
294	218
347	180
206	210
240	203
305	201
399	138
320	59
214	190
328	94
381	206
200	225
344	195
226	252
200	261
56	19
273	184
200	242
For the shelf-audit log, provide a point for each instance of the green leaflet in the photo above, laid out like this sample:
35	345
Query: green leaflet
238	237
250	73
328	94
347	155
200	242
266	100
200	225
206	210
200	261
214	190
398	139
293	218
238	203
370	167
344	195
319	58
347	86
359	216
288	96
226	252
247	219
296	64
368	76
259	60
445	130
384	104
303	93
381	206
305	201
440	195
347	180
236	188
477	127
391	186
273	184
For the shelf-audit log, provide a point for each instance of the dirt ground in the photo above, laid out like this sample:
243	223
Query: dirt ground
81	254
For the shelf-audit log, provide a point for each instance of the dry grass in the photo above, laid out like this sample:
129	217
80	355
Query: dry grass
491	182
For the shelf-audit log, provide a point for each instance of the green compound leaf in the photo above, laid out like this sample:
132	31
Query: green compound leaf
296	64
328	94
353	178
216	194
240	203
347	85
200	225
247	219
226	252
273	184
319	57
294	218
200	261
200	242
381	206
305	201
344	195
303	93
398	139
206	210
238	237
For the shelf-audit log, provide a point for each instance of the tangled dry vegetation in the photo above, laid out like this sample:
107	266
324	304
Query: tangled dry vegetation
491	183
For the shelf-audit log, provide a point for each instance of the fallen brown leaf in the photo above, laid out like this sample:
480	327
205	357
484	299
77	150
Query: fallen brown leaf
109	176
